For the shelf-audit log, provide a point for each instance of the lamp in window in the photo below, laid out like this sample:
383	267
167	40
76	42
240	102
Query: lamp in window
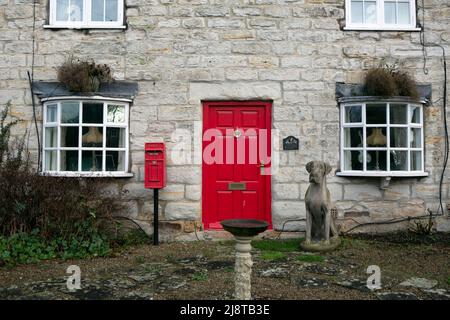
377	139
93	138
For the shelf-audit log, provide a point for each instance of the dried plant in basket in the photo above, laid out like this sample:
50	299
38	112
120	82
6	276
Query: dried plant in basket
406	86
83	75
390	82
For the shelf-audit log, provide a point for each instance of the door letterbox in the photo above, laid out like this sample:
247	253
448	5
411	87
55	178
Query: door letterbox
155	165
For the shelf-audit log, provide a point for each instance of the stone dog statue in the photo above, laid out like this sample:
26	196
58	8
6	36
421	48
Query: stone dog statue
320	223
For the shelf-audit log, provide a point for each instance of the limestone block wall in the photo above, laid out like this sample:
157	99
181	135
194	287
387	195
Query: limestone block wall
290	51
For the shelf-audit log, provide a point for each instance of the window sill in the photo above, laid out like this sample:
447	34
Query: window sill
89	174
393	29
86	97
378	174
49	26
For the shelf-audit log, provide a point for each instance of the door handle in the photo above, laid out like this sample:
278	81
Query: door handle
261	165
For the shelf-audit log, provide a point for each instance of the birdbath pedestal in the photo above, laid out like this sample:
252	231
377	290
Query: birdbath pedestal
243	231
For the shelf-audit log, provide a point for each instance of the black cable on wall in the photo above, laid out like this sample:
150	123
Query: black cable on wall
444	98
31	79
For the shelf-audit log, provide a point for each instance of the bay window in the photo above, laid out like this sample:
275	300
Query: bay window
85	137
86	13
380	15
382	139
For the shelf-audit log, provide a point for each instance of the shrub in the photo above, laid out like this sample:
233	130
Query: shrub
43	217
25	248
54	205
83	75
390	82
11	154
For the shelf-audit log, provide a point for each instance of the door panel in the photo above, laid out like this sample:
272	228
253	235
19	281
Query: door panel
250	204
237	161
224	118
249	119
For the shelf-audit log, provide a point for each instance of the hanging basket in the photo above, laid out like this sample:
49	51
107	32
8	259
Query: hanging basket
83	75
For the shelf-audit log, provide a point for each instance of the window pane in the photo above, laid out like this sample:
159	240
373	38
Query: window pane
116	114
376	114
115	161
52	111
76	10
416	161
69	137
92	137
97	10
70	112
399	160
353	114
111	10
51	137
376	137
397	113
92	112
416	138
403	13
69	161
115	137
370	12
92	161
353	160
399	137
353	137
415	114
357	12
50	160
62	10
389	12
377	160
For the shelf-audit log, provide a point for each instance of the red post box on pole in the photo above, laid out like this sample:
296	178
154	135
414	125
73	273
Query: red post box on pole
155	177
155	165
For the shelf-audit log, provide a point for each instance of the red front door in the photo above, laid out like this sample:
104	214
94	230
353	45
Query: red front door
236	161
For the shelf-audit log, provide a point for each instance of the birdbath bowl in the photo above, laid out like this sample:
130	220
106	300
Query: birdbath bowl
244	227
243	231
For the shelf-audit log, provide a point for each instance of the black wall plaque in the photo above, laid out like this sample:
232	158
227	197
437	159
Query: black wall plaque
290	143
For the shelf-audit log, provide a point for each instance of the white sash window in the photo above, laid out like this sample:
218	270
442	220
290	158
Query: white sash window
380	15
86	13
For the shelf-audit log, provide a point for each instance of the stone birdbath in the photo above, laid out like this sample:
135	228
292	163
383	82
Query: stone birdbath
243	231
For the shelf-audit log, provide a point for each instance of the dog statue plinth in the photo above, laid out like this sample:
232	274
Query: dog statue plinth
321	232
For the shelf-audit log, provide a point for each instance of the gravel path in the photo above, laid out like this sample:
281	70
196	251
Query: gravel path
204	270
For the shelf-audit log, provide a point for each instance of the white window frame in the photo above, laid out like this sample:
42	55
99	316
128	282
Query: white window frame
380	25
86	22
79	173
388	148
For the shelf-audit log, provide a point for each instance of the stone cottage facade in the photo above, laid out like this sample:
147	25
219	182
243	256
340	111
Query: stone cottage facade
175	55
